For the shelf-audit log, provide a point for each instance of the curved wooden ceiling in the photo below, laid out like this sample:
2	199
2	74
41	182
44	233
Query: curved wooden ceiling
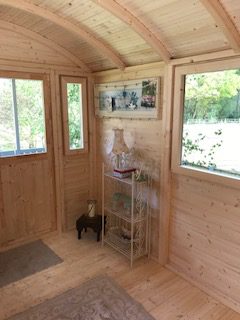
139	26
105	34
80	31
45	41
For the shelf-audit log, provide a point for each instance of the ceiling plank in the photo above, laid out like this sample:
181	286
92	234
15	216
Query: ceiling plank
137	25
103	48
224	21
45	41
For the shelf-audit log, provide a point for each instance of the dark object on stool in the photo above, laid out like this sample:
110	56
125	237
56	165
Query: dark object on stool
94	223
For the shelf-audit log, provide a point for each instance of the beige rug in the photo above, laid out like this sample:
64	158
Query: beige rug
98	299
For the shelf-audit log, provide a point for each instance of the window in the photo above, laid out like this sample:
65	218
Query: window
22	123
74	114
207	120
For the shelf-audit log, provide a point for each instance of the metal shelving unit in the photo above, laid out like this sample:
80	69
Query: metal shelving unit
125	203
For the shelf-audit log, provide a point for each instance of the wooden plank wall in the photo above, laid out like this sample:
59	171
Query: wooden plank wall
143	135
205	236
76	188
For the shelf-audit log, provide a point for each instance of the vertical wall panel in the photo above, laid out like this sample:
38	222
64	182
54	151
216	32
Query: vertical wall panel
143	135
205	236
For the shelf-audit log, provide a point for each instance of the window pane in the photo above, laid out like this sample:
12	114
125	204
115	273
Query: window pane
30	105
22	123
212	121
7	125
75	119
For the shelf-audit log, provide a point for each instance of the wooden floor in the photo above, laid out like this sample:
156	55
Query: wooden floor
164	294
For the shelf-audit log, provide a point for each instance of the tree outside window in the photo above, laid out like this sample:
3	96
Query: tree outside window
22	123
211	121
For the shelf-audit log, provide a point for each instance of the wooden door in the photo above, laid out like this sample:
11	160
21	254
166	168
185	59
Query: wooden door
27	192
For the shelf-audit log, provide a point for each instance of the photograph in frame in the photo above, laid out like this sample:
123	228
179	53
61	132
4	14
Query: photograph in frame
128	99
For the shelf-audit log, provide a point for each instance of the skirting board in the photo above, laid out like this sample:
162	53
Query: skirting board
211	292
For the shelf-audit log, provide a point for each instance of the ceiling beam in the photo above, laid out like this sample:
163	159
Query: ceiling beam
224	21
137	25
90	38
45	41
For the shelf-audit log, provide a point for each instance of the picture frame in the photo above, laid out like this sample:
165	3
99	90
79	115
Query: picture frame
138	99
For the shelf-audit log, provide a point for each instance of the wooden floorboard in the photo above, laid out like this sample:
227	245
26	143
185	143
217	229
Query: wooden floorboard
164	294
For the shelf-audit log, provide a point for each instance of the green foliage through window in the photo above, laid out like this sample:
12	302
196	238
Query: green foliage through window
211	121
75	121
22	123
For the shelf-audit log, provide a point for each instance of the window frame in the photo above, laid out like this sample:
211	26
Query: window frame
178	111
83	81
21	75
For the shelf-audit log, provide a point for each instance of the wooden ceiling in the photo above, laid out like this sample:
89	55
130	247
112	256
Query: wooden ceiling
106	34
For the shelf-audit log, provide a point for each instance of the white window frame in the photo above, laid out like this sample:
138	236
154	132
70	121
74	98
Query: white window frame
178	111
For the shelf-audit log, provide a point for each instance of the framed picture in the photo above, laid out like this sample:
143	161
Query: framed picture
128	99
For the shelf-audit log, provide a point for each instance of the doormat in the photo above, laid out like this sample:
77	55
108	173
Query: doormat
21	262
97	299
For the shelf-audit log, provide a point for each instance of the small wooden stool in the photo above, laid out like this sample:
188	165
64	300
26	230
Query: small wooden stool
85	222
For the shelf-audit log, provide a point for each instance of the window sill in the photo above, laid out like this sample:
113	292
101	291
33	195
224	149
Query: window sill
211	176
25	152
